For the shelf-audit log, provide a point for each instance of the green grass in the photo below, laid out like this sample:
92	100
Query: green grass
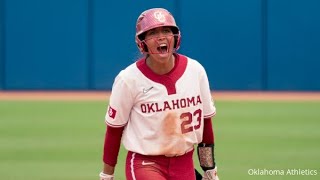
61	140
267	135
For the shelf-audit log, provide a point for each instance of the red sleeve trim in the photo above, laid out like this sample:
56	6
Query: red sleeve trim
210	115
115	126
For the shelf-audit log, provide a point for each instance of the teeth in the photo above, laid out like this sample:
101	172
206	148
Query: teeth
163	48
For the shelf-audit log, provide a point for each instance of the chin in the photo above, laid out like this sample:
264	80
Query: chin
165	55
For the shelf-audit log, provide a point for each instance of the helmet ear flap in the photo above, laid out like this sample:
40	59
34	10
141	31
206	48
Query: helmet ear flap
177	41
177	37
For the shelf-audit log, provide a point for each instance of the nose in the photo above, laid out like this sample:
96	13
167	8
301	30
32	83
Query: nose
161	37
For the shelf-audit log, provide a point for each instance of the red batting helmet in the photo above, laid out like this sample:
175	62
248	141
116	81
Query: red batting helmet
153	18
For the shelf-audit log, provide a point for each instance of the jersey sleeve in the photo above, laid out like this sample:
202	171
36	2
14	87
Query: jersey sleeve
209	108
120	103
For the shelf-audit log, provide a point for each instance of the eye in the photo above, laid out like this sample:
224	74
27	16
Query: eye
167	30
151	33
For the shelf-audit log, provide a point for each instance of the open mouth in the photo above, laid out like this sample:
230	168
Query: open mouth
163	48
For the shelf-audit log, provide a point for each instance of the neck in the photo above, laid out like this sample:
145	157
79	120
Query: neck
161	67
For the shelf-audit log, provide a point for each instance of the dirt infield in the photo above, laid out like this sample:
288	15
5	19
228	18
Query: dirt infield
100	95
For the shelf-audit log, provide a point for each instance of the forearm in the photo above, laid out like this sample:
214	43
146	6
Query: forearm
208	135
111	148
206	152
206	147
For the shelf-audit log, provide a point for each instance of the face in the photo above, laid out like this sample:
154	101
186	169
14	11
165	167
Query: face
160	42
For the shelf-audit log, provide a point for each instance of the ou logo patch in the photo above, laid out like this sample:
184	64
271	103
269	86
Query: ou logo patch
112	112
159	16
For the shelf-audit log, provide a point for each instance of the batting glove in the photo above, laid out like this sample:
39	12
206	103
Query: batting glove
210	174
104	176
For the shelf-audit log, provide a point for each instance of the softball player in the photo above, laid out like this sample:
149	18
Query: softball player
161	108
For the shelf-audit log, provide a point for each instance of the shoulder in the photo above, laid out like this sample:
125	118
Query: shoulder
129	71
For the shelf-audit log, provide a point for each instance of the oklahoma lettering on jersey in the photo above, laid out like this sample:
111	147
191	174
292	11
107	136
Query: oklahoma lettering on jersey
163	114
170	105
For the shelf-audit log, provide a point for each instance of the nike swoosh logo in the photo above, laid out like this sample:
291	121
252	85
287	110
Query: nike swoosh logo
147	163
147	90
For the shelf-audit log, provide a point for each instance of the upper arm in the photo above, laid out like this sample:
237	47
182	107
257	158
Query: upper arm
120	103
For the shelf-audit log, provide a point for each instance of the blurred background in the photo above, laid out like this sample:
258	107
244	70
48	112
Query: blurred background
263	45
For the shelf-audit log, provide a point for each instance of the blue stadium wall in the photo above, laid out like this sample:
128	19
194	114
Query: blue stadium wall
81	45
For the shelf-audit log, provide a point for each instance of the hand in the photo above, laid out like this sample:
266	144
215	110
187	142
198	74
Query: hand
104	176
210	174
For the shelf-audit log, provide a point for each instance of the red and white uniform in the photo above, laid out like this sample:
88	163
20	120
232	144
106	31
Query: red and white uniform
162	114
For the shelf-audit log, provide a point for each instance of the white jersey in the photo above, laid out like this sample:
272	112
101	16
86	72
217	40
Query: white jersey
162	114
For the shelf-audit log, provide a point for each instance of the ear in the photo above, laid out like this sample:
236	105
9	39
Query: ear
144	47
141	47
